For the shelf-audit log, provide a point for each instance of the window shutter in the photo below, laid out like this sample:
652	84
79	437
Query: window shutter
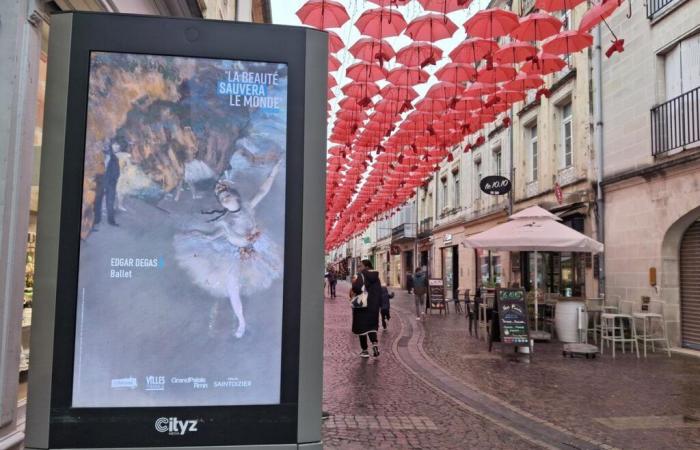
672	72
690	63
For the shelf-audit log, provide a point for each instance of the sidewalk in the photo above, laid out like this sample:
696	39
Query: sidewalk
377	403
630	403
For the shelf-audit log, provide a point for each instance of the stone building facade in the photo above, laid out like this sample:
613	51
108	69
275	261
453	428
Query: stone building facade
651	136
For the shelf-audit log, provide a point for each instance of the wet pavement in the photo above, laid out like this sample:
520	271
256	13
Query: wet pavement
433	386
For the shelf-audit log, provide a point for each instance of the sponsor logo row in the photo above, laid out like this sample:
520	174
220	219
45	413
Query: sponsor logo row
159	382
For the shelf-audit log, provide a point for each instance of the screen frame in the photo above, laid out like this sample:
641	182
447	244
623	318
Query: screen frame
134	427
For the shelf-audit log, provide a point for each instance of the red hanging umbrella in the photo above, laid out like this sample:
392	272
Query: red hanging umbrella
389	2
478	89
536	27
335	44
557	5
418	54
514	52
523	82
333	63
491	23
431	105
363	71
506	97
370	49
398	93
331	81
456	73
323	14
496	74
467	104
567	42
407	76
444	90
543	64
380	23
431	28
360	90
444	6
473	50
598	13
353	116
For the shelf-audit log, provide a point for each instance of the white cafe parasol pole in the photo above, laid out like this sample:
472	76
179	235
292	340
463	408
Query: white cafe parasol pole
536	304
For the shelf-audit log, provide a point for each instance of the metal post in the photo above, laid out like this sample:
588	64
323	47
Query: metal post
598	132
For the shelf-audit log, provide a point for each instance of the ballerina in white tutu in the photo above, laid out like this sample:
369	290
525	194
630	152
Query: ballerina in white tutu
234	258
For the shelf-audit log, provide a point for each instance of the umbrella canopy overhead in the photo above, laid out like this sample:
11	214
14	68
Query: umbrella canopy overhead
534	229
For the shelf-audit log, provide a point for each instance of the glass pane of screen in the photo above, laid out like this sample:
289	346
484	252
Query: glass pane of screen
182	249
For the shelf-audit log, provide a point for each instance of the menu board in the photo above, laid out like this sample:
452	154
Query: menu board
182	239
436	291
512	316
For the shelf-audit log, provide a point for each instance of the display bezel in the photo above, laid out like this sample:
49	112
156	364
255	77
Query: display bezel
218	425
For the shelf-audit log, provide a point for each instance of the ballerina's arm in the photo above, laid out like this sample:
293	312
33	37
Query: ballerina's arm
265	187
233	238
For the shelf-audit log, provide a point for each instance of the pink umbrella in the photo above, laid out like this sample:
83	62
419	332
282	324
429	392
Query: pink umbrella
323	14
478	89
523	82
363	71
380	23
335	44
536	26
444	6
456	73
431	28
331	81
418	54
491	23
543	64
333	63
514	52
360	90
473	50
567	42
496	74
557	5
407	76
598	13
370	49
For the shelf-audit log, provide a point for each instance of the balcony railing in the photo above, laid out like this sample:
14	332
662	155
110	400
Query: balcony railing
425	228
654	6
403	231
676	123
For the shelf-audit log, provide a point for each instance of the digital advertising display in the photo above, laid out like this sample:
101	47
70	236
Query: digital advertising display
182	234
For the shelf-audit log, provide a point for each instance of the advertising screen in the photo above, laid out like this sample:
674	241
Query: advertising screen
179	298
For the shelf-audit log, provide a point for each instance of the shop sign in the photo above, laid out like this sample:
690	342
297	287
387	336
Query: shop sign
495	185
395	250
512	316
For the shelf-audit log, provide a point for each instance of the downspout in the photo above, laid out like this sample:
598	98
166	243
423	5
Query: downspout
512	167
598	137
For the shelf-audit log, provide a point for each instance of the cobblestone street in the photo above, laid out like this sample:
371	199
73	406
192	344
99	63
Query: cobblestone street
433	386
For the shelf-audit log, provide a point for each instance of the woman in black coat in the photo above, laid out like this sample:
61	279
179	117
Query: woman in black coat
365	321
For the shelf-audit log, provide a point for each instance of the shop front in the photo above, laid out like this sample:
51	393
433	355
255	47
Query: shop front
485	268
448	262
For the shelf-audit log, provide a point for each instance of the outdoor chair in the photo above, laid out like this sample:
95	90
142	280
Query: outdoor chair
594	307
614	328
652	325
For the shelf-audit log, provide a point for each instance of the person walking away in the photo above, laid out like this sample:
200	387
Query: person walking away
333	280
409	282
386	305
419	290
365	321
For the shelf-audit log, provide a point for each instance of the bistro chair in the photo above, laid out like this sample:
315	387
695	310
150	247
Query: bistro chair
458	306
549	307
594	307
484	317
613	328
653	326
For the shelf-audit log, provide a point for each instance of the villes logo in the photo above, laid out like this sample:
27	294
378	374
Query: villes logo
175	427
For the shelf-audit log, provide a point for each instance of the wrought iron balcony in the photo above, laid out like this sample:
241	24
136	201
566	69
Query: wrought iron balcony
426	227
405	231
654	6
676	123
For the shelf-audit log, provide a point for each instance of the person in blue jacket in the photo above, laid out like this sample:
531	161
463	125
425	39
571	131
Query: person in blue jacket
385	305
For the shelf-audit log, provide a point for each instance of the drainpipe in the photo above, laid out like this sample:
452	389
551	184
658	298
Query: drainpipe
598	137
512	168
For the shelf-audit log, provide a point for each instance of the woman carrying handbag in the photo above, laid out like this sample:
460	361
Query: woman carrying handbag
365	298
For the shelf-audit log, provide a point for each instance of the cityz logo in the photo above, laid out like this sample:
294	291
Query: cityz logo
175	427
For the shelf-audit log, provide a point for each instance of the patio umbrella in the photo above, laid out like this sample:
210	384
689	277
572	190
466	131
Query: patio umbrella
536	26
323	14
491	23
567	42
534	230
431	28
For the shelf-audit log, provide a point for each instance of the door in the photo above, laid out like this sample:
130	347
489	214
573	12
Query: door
447	271
455	272
690	287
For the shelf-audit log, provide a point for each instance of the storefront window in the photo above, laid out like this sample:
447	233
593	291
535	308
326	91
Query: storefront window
491	269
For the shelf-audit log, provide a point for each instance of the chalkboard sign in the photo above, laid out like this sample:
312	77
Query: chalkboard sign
436	292
512	316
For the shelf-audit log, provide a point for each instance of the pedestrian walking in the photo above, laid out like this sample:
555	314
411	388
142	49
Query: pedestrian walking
386	305
365	321
409	282
333	281
419	290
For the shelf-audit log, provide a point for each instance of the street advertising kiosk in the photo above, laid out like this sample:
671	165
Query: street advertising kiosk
178	300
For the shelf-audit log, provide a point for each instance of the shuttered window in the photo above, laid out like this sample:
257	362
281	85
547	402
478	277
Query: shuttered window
690	287
682	67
